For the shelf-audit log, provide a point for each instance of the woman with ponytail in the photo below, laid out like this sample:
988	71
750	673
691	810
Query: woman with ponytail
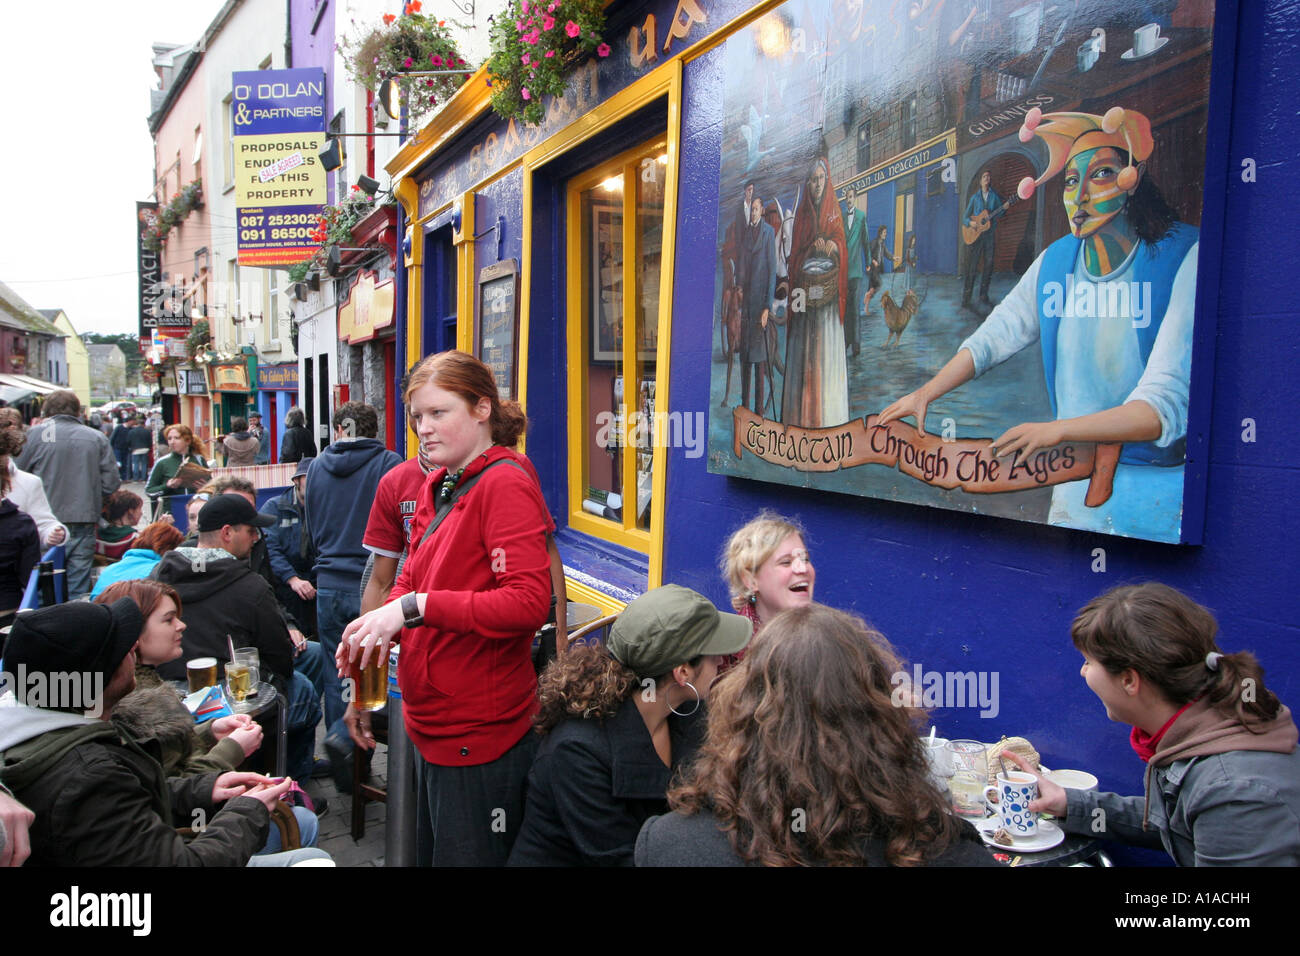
473	592
1223	772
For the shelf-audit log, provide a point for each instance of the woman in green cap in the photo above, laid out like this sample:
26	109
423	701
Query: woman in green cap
617	721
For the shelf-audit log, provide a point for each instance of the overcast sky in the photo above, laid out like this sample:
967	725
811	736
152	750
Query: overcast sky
75	78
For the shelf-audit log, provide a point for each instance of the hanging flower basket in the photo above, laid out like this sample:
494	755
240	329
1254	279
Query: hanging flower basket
535	46
334	228
173	214
410	43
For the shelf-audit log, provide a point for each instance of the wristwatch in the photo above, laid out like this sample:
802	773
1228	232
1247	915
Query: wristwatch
411	616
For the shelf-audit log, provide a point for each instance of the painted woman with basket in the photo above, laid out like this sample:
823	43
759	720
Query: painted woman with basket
816	391
465	607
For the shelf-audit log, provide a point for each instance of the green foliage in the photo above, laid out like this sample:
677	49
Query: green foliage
535	46
405	44
173	214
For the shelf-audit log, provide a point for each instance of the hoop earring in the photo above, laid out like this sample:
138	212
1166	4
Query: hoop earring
692	710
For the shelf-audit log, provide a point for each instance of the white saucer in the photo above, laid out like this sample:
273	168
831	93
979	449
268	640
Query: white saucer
1130	55
1048	836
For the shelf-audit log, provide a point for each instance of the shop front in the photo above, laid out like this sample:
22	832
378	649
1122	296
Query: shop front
234	394
277	392
751	230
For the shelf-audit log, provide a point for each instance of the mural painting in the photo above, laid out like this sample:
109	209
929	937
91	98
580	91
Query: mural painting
957	254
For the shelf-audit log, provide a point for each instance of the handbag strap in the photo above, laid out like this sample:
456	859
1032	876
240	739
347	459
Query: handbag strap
444	509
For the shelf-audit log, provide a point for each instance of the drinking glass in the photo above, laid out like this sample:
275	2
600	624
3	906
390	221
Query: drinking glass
970	770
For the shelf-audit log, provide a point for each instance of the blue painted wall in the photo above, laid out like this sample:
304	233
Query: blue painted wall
963	592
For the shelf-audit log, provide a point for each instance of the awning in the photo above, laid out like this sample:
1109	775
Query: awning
16	389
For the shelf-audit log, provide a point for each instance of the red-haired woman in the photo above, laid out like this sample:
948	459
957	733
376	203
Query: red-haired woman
472	594
146	551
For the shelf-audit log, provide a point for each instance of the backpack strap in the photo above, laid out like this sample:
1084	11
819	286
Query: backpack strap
444	509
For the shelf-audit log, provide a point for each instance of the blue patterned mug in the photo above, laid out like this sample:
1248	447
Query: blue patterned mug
1010	800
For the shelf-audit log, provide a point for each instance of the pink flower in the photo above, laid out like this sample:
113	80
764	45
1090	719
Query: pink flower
550	53
428	82
532	38
524	59
524	6
523	91
407	62
602	50
551	8
435	59
572	29
519	25
548	23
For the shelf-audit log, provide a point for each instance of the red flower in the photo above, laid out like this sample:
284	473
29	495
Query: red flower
413	7
388	19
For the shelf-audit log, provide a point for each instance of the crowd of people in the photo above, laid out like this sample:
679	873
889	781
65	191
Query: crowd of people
689	737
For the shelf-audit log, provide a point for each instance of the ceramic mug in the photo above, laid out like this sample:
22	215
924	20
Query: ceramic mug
1145	39
1010	800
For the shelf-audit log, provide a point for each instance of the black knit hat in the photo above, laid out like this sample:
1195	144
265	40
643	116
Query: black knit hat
75	638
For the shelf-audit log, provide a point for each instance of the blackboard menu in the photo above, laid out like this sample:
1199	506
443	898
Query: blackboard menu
497	335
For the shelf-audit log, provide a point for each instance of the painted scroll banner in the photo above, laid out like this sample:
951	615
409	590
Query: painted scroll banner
965	463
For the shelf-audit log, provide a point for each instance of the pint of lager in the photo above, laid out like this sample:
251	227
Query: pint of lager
202	672
370	682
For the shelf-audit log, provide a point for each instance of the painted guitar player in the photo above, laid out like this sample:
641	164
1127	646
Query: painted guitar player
1111	306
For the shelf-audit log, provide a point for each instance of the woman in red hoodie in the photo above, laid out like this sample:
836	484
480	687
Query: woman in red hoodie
1223	772
471	596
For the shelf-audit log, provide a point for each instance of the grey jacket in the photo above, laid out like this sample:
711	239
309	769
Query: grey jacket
1240	808
75	464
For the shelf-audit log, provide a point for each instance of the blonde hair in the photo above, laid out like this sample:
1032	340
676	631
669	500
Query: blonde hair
750	547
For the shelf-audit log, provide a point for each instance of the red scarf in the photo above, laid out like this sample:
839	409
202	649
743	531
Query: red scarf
1145	744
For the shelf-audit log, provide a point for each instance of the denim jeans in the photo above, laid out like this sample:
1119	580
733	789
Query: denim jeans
308	828
304	715
291	857
139	467
335	610
80	558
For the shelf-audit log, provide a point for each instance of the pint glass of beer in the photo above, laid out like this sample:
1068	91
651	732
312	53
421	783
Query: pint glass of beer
201	672
370	683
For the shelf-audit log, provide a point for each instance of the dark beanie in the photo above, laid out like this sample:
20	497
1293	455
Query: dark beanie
74	638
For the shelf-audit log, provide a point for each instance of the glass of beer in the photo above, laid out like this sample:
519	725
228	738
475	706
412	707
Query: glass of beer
370	683
242	675
201	672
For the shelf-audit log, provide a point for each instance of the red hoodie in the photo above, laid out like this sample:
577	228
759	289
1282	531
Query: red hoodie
467	679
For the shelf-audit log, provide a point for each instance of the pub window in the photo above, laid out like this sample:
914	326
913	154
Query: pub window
616	232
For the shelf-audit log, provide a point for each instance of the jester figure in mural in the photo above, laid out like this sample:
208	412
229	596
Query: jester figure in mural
1111	306
816	390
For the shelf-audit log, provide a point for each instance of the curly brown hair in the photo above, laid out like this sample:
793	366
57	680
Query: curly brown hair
808	722
586	682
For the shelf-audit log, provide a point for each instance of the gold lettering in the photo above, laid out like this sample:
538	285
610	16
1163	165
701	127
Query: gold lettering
641	43
687	15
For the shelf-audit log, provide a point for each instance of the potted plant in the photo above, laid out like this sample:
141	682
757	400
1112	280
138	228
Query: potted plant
535	46
173	214
411	43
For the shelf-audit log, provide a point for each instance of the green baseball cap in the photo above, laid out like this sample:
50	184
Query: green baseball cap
672	625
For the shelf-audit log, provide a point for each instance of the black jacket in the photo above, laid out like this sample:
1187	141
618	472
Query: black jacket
594	783
296	445
101	798
20	549
225	596
139	437
678	839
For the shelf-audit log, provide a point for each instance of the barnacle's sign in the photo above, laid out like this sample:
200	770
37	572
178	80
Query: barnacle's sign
278	118
1009	191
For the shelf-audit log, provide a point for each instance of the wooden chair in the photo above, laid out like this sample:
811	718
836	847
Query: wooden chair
284	820
588	633
363	793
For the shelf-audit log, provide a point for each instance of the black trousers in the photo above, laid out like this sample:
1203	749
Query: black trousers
470	816
979	251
